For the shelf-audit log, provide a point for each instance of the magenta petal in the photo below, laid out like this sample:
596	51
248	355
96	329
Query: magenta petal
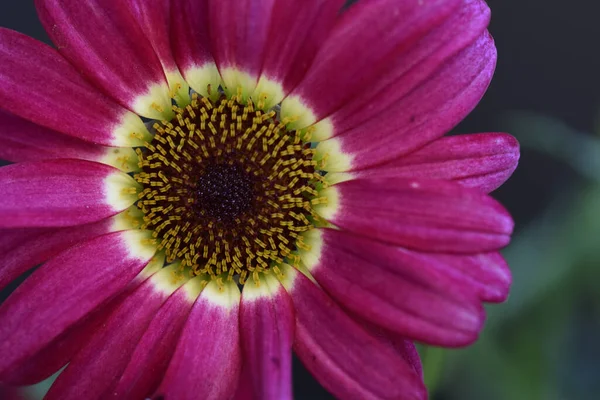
296	34
267	327
390	36
347	360
23	249
435	216
206	364
58	193
39	85
66	289
424	114
96	369
239	31
415	65
151	357
101	39
61	350
484	161
397	290
486	273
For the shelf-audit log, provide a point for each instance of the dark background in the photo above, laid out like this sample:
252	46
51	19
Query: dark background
543	343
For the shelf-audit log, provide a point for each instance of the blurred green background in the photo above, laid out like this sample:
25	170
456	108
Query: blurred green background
542	344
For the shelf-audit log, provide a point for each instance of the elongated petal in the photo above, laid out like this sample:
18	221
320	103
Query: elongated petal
208	349
190	39
61	350
483	161
397	290
63	100
154	17
62	193
436	216
267	326
97	36
23	249
153	353
25	141
66	289
96	369
296	33
239	31
346	359
415	65
424	114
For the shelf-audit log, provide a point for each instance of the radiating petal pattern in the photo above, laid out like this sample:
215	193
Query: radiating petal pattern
66	289
96	369
153	353
346	359
208	344
393	288
63	100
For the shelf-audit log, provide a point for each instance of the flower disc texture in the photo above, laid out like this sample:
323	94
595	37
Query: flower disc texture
210	185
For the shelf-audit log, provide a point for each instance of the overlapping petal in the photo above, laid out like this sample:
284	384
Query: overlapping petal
39	85
483	161
95	370
427	215
96	36
25	141
153	353
154	17
426	113
346	359
395	289
23	249
66	289
209	344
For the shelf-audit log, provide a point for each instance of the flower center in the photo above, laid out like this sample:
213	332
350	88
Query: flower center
227	189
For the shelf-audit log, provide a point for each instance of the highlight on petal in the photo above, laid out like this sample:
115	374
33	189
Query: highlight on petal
57	193
428	112
154	17
66	289
190	39
346	359
413	296
152	355
267	328
96	369
95	36
208	343
25	141
483	161
63	100
428	215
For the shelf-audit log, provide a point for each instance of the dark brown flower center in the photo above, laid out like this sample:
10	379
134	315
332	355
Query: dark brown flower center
227	189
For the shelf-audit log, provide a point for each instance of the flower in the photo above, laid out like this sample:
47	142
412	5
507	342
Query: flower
169	153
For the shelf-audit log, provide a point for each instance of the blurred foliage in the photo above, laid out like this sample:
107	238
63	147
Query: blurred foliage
542	344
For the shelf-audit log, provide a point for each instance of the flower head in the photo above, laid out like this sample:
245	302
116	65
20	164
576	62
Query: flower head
213	183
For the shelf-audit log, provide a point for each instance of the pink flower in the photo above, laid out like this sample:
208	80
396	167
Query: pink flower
303	161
